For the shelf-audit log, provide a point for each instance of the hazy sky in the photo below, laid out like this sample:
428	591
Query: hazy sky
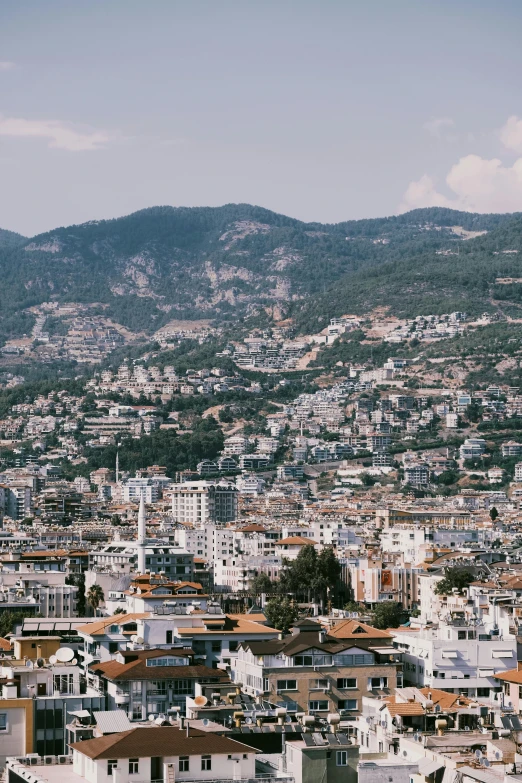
320	109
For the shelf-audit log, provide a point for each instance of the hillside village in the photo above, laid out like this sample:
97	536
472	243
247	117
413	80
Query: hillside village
320	564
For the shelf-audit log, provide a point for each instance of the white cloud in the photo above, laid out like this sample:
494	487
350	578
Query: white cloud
476	184
6	65
59	135
438	125
511	134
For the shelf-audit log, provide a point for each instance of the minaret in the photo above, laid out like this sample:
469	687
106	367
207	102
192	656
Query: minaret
142	533
117	467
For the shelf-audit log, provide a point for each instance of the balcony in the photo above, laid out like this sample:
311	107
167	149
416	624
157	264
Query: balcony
121	697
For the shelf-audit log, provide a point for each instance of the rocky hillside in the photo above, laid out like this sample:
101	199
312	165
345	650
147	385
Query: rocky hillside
221	263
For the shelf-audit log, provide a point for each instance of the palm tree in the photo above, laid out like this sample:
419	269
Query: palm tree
95	597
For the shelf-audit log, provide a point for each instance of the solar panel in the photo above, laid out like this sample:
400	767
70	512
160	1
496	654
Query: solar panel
308	741
506	722
330	737
257	730
515	722
342	739
318	738
278	729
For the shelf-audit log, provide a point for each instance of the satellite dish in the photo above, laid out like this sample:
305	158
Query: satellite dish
497	755
134	638
151	718
139	640
205	721
40	662
74	661
486	762
29	664
404	752
52	659
478	754
64	654
200	701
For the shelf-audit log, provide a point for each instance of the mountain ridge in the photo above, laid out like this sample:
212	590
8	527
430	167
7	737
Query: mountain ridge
237	260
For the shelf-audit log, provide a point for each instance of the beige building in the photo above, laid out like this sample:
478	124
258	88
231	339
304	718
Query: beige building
310	671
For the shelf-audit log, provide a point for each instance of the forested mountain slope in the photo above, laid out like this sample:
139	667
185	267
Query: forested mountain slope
220	263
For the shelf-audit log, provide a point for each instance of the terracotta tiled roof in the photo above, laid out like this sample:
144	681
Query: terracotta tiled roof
404	708
353	629
297	541
446	700
138	670
233	624
98	627
513	675
143	742
5	644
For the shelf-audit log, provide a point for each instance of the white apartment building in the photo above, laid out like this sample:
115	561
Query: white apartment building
203	502
18	501
136	488
457	657
235	445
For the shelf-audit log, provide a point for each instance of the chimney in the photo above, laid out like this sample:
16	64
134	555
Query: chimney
188	726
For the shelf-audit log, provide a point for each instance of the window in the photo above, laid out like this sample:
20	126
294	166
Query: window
232	646
347	704
345	683
168	637
3	721
316	685
113	647
206	762
134	766
319	705
182	687
216	647
353	660
167	660
184	763
287	685
484	692
114	629
342	758
377	682
111	763
461	635
313	660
